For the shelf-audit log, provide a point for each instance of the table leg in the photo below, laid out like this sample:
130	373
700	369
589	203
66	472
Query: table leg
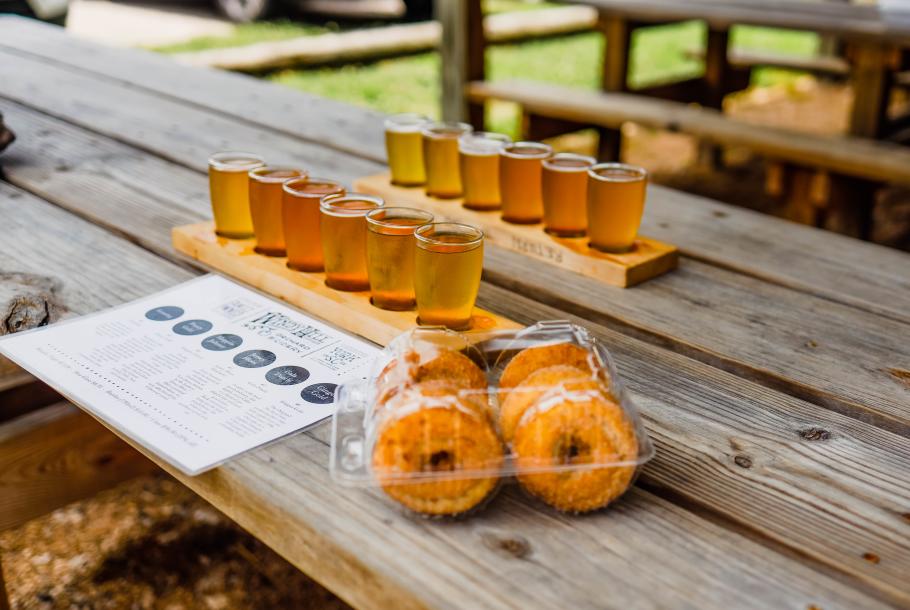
463	52
718	76
872	66
4	599
615	75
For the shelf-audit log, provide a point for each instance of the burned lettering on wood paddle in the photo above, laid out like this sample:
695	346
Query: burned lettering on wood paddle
537	250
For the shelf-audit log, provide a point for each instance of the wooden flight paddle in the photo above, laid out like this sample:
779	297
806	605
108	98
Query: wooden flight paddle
351	311
648	258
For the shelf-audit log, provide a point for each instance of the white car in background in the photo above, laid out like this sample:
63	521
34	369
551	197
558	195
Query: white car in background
49	10
251	10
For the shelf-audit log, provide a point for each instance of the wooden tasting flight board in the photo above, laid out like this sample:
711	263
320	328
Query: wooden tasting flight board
351	311
648	259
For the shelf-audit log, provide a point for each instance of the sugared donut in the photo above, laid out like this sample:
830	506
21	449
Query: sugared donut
584	429
531	359
435	430
416	367
534	387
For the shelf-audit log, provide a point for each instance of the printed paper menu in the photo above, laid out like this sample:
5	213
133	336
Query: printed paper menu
199	373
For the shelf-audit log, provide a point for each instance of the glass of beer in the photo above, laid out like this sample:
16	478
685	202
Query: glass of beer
565	194
265	206
230	192
404	148
479	156
390	255
344	240
520	167
447	268
440	153
616	201
300	218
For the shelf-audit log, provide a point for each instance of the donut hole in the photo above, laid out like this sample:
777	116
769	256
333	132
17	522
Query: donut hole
571	449
441	460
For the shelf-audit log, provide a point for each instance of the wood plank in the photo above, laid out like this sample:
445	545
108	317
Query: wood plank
820	350
648	259
858	21
844	154
58	455
280	109
351	311
862	274
126	114
343	537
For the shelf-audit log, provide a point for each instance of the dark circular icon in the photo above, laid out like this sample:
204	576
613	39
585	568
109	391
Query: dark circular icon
319	393
192	327
221	343
254	358
287	375
163	314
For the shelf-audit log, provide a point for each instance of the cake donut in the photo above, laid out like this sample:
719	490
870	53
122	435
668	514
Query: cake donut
414	367
534	386
436	430
586	428
531	359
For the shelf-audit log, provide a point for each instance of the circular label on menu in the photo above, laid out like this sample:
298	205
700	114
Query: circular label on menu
319	393
254	358
287	375
192	327
163	314
221	343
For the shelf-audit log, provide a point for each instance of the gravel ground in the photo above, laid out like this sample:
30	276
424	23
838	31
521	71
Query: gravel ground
149	544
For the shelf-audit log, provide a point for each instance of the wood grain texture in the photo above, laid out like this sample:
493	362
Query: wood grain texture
516	555
351	311
823	352
803	258
58	455
95	269
356	544
733	321
821	483
649	259
843	154
172	130
314	119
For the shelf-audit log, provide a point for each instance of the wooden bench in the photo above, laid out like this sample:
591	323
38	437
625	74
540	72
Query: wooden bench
854	163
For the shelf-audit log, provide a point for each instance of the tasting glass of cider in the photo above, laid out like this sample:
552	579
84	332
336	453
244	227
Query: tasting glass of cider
565	194
390	255
440	155
616	202
265	206
479	156
230	192
344	239
404	148
520	167
301	222
447	268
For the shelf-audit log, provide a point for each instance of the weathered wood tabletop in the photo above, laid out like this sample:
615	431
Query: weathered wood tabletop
772	368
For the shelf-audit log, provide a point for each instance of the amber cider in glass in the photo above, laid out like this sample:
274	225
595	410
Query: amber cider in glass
229	188
301	220
447	270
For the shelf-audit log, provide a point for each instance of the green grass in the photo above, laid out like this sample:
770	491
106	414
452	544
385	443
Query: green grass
411	84
249	33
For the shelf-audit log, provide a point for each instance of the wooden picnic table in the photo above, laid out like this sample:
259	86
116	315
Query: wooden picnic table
873	38
772	368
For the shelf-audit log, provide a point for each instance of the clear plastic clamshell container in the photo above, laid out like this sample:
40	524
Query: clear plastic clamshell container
445	417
